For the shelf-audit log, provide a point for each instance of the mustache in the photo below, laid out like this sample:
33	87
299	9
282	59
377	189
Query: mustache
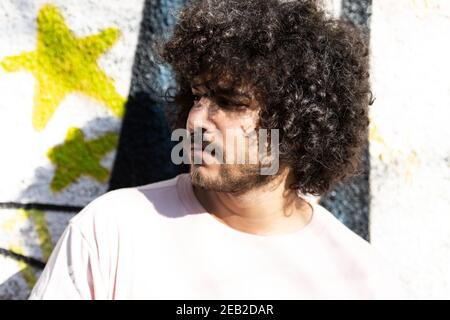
204	143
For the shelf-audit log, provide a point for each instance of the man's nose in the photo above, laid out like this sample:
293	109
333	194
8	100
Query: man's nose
200	116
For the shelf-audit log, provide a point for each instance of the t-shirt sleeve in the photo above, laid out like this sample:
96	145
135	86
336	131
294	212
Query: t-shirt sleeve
72	271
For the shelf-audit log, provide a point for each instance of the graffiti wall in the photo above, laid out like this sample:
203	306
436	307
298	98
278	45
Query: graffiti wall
65	71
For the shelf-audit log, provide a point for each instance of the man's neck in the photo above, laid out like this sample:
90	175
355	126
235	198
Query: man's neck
271	209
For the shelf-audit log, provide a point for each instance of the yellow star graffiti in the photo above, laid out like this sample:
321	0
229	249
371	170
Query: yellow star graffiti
63	64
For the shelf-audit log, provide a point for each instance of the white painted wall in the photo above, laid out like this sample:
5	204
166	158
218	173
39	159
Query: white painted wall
409	141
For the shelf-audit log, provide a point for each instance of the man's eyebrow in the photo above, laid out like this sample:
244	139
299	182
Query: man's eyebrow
197	87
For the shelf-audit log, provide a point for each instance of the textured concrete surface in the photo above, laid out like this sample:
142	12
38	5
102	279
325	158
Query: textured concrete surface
409	146
65	74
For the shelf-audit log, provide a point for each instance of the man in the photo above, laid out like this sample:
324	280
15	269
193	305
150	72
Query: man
227	230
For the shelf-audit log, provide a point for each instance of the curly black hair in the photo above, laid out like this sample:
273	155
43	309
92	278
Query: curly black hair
310	73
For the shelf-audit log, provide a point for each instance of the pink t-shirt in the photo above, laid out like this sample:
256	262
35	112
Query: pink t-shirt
157	242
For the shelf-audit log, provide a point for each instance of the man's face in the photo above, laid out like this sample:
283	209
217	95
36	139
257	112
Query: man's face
225	118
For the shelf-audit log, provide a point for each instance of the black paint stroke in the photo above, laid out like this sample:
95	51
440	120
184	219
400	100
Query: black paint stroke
40	206
29	260
143	153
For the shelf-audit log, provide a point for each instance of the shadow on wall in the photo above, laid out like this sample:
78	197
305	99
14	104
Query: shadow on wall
143	153
13	287
350	201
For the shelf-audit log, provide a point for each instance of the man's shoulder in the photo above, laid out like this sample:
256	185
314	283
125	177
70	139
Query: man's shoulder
344	243
361	259
129	203
335	231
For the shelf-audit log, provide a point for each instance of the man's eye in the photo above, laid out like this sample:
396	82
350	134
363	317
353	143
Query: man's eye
227	104
224	102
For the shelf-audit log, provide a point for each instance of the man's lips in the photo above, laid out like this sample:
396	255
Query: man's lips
199	153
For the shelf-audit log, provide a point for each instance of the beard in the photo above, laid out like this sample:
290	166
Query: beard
228	177
236	179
